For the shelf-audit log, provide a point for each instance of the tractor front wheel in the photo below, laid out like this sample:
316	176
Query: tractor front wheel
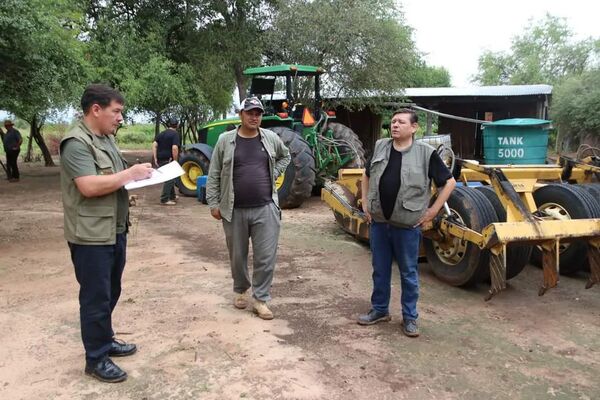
295	184
195	164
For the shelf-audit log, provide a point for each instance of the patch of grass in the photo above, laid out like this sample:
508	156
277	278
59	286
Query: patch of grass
135	137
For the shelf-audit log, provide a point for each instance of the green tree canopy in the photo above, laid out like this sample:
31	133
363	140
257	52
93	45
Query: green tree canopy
545	53
576	108
42	60
157	54
363	46
431	76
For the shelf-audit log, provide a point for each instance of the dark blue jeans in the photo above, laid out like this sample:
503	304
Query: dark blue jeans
402	244
98	270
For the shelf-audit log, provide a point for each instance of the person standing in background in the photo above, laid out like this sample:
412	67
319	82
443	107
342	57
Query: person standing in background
12	147
165	149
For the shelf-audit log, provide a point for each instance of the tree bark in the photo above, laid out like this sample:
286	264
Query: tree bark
240	81
157	124
29	155
36	132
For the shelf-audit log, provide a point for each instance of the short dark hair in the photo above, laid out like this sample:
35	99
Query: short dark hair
100	94
413	115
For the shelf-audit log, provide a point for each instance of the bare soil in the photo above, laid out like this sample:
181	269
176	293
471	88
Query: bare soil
177	306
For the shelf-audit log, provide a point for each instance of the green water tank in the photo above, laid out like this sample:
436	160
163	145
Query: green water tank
516	141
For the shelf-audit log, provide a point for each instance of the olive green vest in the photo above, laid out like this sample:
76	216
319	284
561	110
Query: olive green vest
91	221
414	194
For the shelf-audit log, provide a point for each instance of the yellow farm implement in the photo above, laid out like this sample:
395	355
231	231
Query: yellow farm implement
500	218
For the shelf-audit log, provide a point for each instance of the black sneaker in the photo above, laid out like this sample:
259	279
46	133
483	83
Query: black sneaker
106	371
410	328
373	317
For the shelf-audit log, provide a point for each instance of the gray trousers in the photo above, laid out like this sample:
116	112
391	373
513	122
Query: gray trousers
261	225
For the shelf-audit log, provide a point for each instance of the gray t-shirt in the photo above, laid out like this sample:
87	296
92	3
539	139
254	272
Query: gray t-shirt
252	186
78	161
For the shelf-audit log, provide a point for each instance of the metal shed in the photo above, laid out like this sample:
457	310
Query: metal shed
489	103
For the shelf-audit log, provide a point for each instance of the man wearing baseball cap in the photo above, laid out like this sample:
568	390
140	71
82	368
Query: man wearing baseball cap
12	146
241	192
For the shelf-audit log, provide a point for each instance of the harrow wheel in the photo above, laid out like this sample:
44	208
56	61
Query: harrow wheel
565	202
517	255
593	189
295	184
457	261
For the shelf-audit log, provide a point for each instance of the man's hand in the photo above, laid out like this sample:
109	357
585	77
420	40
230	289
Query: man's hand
428	216
216	213
140	171
363	204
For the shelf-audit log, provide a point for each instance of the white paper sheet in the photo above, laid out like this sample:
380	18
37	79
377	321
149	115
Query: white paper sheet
165	173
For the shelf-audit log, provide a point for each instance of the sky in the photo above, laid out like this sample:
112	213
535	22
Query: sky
453	34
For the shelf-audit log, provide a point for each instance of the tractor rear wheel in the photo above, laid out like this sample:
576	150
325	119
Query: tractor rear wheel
350	145
565	202
459	262
517	255
295	185
195	164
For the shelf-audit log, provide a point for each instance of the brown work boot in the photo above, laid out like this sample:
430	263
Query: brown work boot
240	300
260	308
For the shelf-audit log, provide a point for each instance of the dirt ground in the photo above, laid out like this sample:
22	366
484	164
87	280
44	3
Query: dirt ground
177	306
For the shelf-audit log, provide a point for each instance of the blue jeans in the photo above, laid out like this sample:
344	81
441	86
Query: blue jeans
402	244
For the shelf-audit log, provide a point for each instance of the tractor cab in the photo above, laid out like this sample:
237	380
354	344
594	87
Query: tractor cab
287	92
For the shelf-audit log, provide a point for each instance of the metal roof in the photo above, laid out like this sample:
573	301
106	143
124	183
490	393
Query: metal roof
479	91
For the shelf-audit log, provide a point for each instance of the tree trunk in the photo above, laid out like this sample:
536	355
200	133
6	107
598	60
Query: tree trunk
240	80
157	124
36	132
29	155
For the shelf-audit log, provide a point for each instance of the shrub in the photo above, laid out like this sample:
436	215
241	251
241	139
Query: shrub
135	137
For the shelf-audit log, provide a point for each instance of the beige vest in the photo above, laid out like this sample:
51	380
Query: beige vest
91	221
414	194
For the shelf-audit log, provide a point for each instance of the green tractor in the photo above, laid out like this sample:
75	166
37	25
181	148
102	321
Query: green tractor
319	146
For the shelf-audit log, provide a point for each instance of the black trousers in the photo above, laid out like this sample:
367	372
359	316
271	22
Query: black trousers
168	191
12	170
98	270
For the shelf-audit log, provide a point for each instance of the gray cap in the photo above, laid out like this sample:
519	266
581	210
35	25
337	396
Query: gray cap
251	103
